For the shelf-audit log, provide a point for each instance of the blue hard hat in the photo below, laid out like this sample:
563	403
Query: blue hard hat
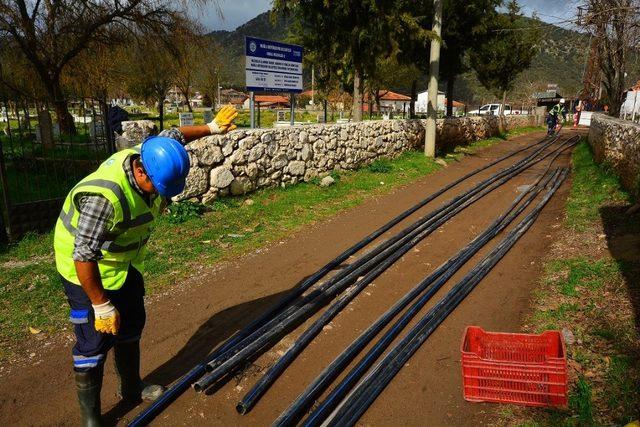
167	164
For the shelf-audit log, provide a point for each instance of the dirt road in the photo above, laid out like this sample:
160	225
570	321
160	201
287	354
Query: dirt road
187	323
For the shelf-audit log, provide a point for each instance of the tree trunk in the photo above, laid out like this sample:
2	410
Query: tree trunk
450	82
325	110
25	109
161	113
65	119
61	107
108	132
501	121
357	95
185	93
414	97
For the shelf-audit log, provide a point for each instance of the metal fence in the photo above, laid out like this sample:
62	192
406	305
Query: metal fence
39	162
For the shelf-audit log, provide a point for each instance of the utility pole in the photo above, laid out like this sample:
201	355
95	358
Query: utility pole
313	83
434	69
218	103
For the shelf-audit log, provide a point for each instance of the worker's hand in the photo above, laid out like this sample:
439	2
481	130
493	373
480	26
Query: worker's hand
107	318
223	122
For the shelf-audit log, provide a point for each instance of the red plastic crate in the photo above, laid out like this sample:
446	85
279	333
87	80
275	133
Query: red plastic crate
523	369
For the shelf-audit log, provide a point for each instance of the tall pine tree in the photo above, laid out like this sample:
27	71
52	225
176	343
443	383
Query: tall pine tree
509	51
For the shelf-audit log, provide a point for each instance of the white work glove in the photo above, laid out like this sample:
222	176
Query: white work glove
223	122
107	318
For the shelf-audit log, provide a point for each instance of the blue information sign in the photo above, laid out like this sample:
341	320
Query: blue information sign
272	66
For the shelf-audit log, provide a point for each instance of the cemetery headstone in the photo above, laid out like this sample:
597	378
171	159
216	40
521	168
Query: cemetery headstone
45	134
186	119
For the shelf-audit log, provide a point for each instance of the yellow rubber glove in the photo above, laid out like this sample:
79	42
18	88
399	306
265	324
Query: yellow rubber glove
223	121
107	318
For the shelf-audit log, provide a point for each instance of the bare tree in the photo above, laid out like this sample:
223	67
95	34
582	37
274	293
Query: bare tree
613	25
150	69
208	71
52	33
198	61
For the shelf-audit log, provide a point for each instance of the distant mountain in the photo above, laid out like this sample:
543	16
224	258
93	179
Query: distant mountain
232	43
561	60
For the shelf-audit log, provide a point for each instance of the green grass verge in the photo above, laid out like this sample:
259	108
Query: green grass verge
592	186
185	237
590	295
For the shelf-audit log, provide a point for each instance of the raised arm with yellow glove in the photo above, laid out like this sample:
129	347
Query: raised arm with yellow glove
223	121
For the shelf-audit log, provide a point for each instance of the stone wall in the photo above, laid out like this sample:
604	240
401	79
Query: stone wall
245	160
616	143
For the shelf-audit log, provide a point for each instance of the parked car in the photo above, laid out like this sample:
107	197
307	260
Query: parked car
495	109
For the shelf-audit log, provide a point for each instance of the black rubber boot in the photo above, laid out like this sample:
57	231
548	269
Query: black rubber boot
132	389
88	386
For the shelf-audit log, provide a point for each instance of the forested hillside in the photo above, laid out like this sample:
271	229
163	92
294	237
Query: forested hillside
561	60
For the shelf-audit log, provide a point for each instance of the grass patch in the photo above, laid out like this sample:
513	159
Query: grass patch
581	404
189	236
380	166
622	389
589	292
592	187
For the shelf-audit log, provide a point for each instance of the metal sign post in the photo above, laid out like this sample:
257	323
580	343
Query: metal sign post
293	108
252	107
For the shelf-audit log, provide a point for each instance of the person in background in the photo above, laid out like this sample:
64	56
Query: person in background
553	116
577	107
100	245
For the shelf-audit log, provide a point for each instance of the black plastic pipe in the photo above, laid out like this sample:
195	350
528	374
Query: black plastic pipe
307	336
349	271
368	389
435	280
296	410
262	337
182	384
340	391
254	343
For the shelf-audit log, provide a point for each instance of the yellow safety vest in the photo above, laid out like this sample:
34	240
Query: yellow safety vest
129	233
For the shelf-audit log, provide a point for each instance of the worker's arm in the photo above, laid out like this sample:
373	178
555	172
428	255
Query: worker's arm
89	277
96	216
192	133
222	123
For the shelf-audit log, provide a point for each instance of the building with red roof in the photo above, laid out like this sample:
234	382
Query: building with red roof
269	101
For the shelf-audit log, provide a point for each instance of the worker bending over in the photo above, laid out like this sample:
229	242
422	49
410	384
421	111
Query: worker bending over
552	118
100	246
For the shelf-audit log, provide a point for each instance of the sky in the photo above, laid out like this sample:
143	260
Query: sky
237	12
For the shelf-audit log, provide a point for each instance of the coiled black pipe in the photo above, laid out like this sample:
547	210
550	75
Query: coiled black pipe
255	342
182	384
371	387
